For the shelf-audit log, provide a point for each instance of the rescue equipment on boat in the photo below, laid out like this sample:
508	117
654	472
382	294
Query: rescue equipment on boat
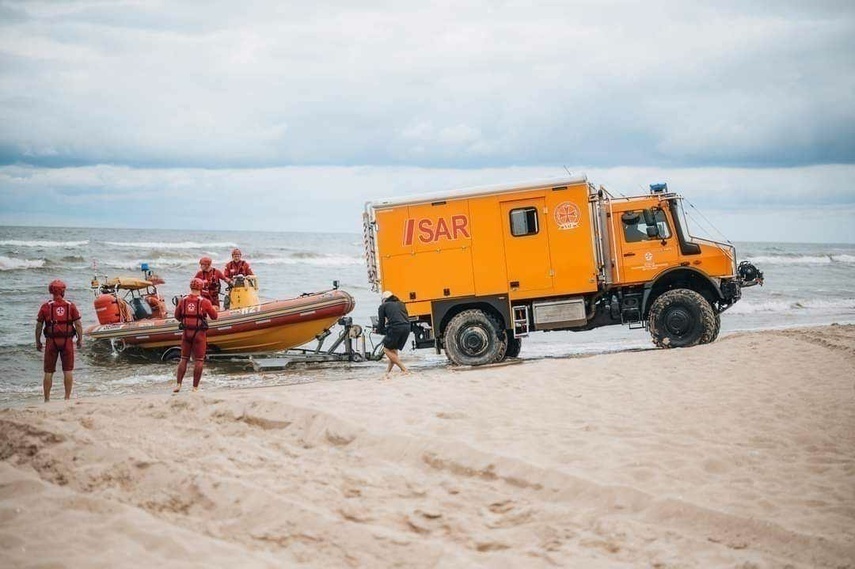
242	292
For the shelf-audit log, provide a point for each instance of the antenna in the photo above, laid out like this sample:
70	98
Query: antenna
569	173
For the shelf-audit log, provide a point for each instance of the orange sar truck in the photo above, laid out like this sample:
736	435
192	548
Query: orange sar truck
481	268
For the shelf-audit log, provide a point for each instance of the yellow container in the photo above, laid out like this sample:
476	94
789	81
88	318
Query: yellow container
243	293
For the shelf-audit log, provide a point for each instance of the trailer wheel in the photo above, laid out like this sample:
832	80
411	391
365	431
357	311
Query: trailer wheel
173	354
681	318
514	347
474	338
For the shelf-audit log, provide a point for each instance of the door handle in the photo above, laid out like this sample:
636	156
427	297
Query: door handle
629	254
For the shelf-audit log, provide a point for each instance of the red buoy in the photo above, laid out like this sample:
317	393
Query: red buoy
107	309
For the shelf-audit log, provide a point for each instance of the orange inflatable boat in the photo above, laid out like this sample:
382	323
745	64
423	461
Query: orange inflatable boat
139	319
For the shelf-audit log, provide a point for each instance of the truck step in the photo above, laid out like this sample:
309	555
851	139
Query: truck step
521	321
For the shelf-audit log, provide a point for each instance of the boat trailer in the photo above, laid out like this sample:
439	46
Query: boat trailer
349	346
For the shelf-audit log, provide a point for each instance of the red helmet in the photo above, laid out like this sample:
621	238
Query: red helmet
205	261
57	287
236	251
197	284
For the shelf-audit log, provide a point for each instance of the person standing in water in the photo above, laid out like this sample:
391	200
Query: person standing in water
394	322
60	322
192	313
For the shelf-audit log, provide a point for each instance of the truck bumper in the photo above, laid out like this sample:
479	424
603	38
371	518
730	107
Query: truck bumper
731	291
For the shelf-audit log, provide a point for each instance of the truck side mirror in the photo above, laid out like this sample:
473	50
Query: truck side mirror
649	217
652	231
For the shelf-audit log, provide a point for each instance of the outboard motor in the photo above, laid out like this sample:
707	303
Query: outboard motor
749	275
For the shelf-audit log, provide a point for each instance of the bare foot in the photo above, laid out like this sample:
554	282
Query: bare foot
177	388
195	389
386	377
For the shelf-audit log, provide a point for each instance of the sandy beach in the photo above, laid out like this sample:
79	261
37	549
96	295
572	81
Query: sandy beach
735	454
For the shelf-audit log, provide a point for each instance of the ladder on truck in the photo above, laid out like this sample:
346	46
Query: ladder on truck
521	328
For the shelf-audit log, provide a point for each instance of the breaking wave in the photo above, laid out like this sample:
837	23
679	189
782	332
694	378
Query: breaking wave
803	259
9	264
172	245
310	259
159	263
64	244
782	306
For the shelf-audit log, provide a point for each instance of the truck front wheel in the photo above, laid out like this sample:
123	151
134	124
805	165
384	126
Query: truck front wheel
714	332
474	338
681	318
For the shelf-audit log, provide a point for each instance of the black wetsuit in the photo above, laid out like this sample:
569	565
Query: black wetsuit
393	321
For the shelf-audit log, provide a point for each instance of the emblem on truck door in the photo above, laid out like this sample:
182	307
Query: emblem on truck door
567	215
433	230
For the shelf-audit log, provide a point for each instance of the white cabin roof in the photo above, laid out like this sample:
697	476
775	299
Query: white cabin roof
476	191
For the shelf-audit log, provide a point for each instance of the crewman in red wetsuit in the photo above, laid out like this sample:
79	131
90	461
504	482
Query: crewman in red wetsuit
60	321
237	266
211	278
192	313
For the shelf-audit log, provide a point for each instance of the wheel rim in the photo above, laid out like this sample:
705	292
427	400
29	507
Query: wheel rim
474	341
678	321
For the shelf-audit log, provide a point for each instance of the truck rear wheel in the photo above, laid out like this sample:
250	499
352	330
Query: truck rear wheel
474	338
681	318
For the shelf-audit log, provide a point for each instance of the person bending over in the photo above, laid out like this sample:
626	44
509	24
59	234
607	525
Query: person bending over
192	313
393	321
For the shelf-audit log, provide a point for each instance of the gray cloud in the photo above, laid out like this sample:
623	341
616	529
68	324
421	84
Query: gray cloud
458	85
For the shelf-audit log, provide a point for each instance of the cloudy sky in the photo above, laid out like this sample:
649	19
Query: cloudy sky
290	115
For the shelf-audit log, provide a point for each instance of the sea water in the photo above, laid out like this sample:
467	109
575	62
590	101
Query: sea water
806	284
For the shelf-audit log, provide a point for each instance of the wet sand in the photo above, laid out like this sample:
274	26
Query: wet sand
739	453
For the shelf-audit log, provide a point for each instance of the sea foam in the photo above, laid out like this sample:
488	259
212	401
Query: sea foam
802	259
171	245
44	244
9	264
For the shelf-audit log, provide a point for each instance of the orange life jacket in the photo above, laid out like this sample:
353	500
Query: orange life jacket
192	317
60	324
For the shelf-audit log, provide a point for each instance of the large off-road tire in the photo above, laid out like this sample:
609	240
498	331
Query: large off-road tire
474	338
681	318
514	347
714	332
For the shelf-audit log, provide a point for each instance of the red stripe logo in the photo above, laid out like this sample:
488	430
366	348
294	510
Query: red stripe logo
408	231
